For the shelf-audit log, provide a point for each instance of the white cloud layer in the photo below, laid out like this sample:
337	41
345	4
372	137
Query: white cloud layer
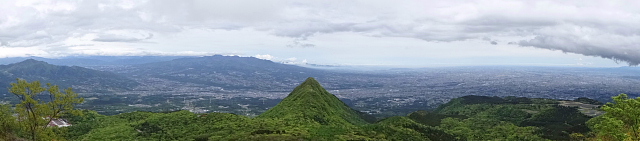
264	57
600	28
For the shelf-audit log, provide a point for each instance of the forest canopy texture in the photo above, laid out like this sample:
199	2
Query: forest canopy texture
310	112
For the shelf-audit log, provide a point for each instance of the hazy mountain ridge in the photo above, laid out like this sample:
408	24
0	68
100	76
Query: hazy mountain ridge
81	79
381	93
237	73
94	60
241	74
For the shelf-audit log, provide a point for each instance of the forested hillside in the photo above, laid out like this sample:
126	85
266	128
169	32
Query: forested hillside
311	113
82	79
509	118
308	113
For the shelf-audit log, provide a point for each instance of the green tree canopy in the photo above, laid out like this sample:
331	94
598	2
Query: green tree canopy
39	105
7	123
621	122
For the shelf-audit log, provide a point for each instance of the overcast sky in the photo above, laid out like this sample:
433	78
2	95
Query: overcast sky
343	32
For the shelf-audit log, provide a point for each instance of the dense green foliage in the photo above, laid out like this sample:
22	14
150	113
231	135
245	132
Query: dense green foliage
311	113
38	106
509	118
311	102
308	113
8	123
621	122
184	125
488	129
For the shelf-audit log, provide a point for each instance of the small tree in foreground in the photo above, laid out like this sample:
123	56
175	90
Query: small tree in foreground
39	105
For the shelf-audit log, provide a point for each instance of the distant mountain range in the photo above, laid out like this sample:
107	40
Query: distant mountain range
230	72
94	60
119	73
82	79
234	74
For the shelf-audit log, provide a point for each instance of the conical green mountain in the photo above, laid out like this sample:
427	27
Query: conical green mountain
310	102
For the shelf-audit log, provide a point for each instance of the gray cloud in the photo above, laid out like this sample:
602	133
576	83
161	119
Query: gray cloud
3	43
42	24
606	29
493	42
590	40
299	43
630	54
120	38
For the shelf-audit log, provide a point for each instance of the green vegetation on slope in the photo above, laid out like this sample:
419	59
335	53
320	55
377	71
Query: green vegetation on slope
311	102
37	108
621	122
308	113
311	113
509	118
8	124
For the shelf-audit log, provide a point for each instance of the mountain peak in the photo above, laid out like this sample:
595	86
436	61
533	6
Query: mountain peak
312	82
32	61
29	64
310	102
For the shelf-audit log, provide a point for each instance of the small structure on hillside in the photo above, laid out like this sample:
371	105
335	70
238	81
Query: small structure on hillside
59	123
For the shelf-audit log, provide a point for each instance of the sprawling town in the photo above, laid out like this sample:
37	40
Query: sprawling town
387	93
